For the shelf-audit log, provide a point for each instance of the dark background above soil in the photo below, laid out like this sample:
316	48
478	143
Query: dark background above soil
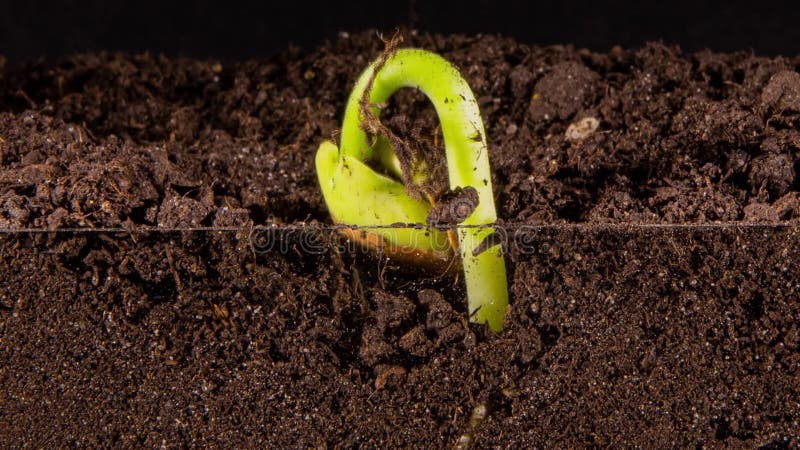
242	29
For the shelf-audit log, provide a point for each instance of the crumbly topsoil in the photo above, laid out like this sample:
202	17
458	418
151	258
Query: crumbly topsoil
618	335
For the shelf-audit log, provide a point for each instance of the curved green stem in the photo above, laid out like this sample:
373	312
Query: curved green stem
381	200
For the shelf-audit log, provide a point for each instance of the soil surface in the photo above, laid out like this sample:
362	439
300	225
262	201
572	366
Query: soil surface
624	331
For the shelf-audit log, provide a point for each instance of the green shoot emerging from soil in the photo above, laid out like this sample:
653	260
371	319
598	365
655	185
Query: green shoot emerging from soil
361	180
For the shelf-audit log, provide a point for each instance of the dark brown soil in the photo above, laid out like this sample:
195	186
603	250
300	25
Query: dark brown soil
619	335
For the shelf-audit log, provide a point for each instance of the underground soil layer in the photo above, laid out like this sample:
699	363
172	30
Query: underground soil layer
649	201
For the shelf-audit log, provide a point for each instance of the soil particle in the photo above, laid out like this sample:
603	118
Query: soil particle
780	99
374	348
521	79
416	343
439	313
392	310
568	88
760	212
388	375
453	207
772	173
787	206
715	127
15	211
182	212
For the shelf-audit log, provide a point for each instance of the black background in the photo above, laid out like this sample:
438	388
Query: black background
237	29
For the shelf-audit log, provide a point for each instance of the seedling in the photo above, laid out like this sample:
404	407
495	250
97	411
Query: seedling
370	183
